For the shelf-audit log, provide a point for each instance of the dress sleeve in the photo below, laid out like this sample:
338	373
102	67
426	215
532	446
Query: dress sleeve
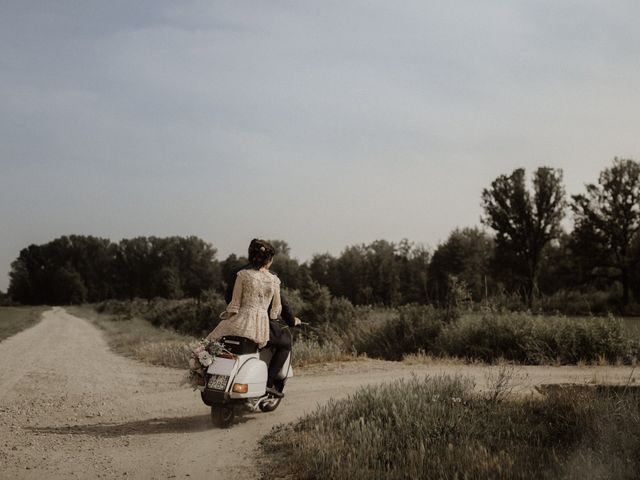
236	298
276	305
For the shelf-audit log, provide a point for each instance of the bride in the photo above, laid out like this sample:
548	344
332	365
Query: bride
255	289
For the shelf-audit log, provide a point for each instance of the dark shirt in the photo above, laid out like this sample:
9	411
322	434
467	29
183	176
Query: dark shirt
287	315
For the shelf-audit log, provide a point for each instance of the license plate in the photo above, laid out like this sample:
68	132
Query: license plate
218	382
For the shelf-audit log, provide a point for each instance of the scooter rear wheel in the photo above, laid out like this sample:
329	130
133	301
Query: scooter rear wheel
222	415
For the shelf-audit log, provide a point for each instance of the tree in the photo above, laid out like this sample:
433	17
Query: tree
607	222
68	287
322	268
133	268
284	266
198	269
414	267
167	283
31	277
466	256
525	223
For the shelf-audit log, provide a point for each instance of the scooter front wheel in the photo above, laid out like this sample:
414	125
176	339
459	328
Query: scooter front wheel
222	415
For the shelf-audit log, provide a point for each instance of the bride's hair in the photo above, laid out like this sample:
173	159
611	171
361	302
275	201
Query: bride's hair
260	252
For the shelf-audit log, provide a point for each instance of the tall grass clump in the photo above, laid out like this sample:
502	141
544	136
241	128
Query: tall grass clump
438	428
308	351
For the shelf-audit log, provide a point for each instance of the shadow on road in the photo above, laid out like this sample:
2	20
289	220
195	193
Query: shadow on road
152	426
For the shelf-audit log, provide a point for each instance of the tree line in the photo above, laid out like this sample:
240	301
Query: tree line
525	253
77	269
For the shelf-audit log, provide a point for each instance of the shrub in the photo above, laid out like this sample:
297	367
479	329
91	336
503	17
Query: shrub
573	302
415	328
534	339
5	300
487	337
184	316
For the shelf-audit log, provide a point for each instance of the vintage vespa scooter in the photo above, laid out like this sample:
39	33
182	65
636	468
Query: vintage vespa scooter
238	378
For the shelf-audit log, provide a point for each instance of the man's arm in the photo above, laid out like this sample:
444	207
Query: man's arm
287	315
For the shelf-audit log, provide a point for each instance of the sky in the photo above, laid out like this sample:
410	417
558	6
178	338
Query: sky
325	124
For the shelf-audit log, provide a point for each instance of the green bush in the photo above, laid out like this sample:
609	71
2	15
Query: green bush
532	339
573	302
439	429
487	337
414	328
184	316
394	333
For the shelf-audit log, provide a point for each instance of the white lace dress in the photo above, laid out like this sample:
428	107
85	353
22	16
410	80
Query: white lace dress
247	314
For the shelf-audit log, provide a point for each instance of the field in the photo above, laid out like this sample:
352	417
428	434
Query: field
15	319
442	428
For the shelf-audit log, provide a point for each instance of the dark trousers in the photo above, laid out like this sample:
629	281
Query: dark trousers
280	342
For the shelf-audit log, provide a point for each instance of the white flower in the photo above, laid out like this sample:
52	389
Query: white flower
205	359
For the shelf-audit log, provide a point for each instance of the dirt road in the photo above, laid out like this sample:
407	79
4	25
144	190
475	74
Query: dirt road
71	408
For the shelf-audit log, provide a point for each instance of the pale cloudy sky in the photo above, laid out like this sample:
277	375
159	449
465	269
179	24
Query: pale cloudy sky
324	123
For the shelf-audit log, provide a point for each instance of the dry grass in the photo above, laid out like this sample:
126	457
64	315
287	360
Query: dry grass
439	428
137	338
423	358
309	351
16	319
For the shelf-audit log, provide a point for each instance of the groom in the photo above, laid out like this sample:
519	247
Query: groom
279	338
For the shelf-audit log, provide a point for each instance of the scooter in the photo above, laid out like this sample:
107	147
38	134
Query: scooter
238	378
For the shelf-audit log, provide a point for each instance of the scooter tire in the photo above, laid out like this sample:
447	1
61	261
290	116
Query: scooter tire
222	415
269	405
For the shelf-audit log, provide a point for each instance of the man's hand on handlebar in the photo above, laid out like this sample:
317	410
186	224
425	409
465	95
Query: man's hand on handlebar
297	321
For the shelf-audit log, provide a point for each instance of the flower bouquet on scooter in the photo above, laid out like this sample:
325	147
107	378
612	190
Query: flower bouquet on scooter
202	355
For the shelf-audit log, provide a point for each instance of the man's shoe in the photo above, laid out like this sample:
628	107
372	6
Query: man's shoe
275	393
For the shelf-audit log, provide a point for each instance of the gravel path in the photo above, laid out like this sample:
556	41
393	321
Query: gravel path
71	408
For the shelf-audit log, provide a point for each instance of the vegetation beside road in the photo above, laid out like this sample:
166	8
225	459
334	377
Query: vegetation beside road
442	428
16	319
137	337
347	332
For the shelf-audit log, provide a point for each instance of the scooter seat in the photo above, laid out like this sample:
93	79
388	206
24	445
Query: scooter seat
239	345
